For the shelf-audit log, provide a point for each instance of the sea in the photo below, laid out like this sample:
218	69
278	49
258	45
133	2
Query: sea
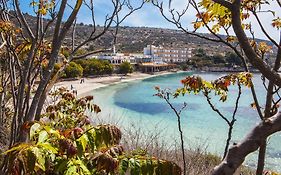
134	104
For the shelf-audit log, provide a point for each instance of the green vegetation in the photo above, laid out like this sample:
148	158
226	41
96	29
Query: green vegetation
95	67
65	141
201	58
125	68
73	70
87	67
233	59
61	140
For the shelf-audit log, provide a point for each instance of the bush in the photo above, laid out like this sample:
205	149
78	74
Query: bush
65	141
95	67
233	58
218	59
125	68
73	70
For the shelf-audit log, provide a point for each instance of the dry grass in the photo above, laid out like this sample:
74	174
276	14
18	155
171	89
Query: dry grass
199	161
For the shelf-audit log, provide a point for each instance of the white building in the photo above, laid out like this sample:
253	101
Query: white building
168	54
117	58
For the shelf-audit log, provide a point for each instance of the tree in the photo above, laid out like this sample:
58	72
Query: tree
32	46
233	58
125	68
95	67
200	52
73	70
222	16
218	59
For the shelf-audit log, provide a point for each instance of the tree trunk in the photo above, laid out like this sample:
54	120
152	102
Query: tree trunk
237	153
254	59
261	158
267	112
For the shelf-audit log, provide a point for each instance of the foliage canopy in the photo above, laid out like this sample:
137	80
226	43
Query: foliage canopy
65	141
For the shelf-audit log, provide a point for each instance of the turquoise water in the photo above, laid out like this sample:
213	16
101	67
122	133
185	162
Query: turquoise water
134	102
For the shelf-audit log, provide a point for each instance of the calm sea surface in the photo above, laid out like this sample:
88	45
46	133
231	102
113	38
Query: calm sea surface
133	102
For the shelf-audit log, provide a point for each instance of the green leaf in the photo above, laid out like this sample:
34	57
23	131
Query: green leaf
35	151
16	148
83	167
134	166
48	147
91	139
98	139
43	135
84	141
52	131
33	129
40	158
41	163
61	165
71	170
79	148
123	167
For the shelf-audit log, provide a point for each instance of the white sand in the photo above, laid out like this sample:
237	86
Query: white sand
94	83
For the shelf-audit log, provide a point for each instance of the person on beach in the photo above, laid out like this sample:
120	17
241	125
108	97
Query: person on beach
71	87
74	91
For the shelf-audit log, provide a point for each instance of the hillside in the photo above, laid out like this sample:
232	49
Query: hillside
134	39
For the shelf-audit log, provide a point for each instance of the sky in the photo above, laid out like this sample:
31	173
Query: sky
149	16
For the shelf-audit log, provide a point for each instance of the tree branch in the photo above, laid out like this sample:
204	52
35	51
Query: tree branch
237	153
254	59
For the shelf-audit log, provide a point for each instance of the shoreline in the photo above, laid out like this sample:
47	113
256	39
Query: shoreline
91	84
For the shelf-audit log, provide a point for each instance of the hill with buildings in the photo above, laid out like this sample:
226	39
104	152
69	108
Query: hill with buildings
134	39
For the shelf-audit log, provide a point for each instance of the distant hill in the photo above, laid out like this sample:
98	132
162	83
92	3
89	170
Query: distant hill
134	39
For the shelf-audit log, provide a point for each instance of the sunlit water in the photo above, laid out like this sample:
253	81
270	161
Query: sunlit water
134	102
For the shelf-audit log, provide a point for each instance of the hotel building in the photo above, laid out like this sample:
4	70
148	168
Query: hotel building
168	55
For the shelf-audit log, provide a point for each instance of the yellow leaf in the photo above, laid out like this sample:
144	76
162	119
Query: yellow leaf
197	25
42	11
230	39
276	23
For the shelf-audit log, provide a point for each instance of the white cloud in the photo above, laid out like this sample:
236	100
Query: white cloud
150	16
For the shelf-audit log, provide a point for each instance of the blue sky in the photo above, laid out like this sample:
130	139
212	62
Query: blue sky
149	16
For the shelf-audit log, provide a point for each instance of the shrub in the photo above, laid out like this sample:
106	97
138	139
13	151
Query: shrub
95	67
65	141
125	68
233	58
73	70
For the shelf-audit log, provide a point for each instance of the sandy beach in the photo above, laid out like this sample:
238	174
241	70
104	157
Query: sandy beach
90	84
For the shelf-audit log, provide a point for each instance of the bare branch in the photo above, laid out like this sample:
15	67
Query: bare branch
23	20
90	53
263	30
215	109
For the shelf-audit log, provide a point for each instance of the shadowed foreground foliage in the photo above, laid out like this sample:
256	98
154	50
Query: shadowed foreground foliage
65	141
